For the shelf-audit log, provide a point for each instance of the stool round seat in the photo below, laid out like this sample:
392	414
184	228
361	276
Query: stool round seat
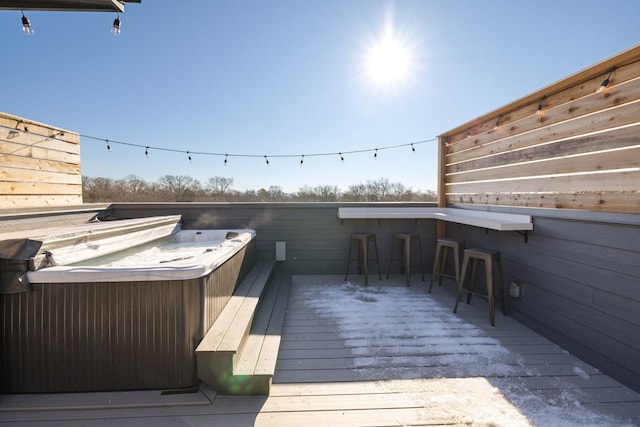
362	257
405	254
443	248
493	268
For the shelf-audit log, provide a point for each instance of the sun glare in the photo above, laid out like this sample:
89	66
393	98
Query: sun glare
389	58
388	62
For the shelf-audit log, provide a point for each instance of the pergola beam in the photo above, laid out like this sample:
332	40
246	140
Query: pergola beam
67	5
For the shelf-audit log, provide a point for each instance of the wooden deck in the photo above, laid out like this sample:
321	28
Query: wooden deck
384	355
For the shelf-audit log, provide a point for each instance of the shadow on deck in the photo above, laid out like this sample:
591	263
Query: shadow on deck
385	354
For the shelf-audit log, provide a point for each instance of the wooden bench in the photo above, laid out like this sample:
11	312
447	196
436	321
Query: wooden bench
493	220
238	354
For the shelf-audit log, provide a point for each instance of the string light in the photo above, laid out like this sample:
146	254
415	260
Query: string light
413	148
539	108
605	82
226	156
146	152
26	25
189	156
375	155
116	26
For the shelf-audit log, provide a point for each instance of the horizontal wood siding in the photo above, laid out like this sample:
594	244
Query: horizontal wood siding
581	280
582	151
40	164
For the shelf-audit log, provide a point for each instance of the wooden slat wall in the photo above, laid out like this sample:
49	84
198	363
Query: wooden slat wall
40	164
582	152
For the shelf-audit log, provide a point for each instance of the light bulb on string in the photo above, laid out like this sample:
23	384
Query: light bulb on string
225	159
539	108
189	156
146	152
301	160
116	26
108	146
375	155
266	160
413	148
26	25
341	157
605	82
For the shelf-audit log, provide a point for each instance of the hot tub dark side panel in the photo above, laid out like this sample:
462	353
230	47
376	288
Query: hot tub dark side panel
100	336
219	285
66	337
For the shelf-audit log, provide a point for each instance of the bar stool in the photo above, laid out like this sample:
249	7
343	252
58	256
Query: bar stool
492	262
405	254
441	260
362	241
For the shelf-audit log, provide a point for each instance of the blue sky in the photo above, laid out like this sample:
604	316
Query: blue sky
279	78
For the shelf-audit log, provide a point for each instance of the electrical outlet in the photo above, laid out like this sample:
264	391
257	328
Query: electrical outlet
515	290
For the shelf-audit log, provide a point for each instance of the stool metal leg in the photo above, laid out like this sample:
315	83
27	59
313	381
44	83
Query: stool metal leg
364	257
443	263
375	247
474	266
463	276
456	262
436	264
348	259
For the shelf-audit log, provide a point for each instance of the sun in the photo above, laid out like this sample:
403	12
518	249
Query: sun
388	61
388	58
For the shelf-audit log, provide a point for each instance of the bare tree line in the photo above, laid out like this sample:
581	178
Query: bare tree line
183	188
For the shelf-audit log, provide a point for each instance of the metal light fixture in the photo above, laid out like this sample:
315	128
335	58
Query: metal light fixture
26	25
116	26
605	83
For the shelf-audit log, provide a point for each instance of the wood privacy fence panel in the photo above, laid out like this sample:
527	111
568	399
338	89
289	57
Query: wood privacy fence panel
568	146
39	166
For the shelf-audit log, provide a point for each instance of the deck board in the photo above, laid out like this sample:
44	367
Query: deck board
328	372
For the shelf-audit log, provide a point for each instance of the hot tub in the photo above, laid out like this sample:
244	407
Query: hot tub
118	321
